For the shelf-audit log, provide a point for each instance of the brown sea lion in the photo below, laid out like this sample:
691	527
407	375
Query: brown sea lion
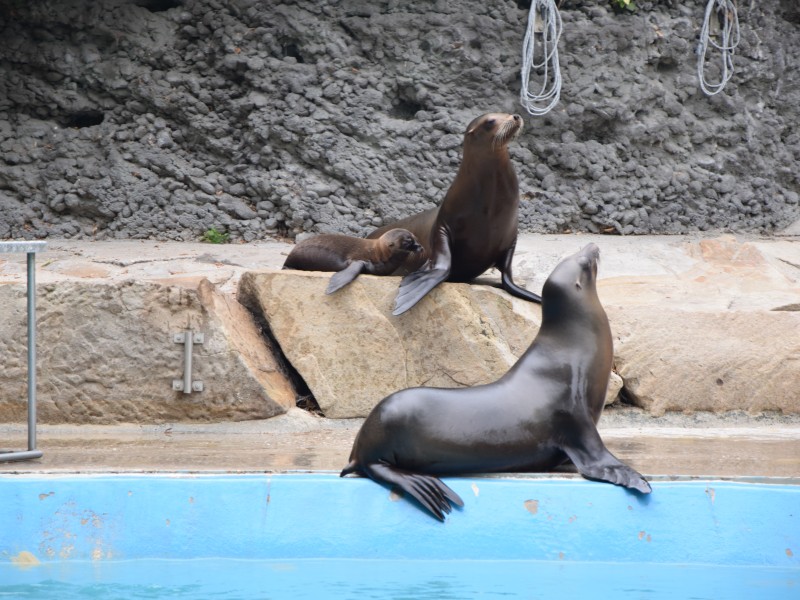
475	227
540	414
350	256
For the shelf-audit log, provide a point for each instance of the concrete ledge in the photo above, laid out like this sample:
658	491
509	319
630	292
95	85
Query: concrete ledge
731	444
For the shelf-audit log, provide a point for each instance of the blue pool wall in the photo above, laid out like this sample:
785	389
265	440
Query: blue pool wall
60	518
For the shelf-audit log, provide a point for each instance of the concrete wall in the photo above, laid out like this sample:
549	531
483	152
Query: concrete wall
293	517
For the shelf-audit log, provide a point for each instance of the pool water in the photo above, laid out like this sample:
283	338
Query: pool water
232	579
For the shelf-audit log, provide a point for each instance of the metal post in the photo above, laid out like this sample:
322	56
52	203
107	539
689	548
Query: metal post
32	351
30	248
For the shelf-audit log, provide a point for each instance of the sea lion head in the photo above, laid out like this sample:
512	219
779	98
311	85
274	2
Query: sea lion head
493	130
571	289
400	240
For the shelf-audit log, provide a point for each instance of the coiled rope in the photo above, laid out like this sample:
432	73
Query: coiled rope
728	39
544	22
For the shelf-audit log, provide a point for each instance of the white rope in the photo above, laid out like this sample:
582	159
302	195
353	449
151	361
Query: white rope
549	25
728	18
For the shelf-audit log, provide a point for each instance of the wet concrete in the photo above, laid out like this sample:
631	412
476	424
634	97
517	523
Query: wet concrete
731	445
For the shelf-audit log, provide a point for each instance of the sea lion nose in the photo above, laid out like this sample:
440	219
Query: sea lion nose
516	118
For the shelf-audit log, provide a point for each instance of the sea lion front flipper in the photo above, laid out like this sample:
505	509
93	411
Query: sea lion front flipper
507	280
593	460
416	285
345	276
429	491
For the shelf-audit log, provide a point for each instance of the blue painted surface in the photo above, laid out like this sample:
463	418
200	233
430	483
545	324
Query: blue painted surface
320	516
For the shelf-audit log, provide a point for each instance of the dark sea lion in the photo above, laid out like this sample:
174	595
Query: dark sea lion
475	227
540	414
351	256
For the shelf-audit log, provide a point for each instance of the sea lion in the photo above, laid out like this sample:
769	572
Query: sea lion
351	256
475	227
541	413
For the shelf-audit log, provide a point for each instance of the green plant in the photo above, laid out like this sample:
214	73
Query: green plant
212	236
624	5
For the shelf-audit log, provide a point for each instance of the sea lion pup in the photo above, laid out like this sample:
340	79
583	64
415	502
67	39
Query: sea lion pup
351	256
541	413
475	227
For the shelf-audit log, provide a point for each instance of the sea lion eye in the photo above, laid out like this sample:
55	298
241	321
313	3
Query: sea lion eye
489	124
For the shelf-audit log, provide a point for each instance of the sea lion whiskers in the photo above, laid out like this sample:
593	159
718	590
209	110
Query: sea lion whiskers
507	132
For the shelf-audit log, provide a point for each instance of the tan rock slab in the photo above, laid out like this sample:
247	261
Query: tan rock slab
711	275
674	360
352	352
721	333
106	354
700	275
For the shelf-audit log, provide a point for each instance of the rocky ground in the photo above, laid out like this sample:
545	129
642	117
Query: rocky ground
163	119
99	413
700	324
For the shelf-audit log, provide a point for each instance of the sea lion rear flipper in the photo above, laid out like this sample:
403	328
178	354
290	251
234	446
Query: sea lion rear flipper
414	286
345	276
507	280
594	461
429	491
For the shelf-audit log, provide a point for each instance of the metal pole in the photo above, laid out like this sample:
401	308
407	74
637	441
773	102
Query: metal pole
30	248
31	351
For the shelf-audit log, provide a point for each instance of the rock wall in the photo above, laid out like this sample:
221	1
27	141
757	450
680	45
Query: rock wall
164	118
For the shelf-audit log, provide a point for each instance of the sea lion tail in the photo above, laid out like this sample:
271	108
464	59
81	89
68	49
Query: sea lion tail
429	491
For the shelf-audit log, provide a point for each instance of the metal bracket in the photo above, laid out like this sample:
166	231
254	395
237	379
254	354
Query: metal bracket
188	338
